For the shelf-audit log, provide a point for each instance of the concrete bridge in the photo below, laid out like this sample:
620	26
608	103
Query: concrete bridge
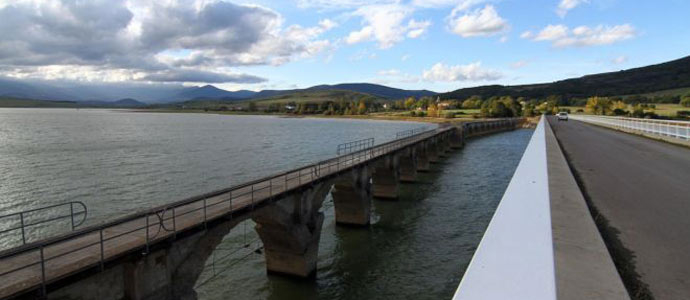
160	253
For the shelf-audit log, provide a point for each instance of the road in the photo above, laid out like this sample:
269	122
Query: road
642	187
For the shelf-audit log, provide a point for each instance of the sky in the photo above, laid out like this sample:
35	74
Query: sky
439	45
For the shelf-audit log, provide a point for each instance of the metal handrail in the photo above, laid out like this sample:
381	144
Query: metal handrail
349	147
24	224
275	185
670	128
410	132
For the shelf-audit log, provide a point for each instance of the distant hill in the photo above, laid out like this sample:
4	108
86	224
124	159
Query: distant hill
122	103
376	90
666	76
211	92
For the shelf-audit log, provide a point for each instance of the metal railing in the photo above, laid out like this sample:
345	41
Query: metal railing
28	219
670	128
411	132
350	147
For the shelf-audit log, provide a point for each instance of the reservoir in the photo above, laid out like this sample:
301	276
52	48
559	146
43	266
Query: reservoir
119	162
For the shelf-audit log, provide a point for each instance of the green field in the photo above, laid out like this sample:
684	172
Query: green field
15	102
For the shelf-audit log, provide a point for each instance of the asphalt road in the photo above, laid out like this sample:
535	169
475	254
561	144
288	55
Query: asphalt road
642	187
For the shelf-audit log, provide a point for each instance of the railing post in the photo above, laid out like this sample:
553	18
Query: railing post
43	273
205	226
100	233
147	232
252	196
21	220
71	213
174	224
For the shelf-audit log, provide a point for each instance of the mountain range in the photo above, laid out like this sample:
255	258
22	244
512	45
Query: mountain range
660	77
108	93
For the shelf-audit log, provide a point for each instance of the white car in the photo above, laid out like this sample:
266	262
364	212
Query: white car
562	116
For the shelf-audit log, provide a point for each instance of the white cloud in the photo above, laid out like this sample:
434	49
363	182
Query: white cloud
135	38
394	76
469	72
566	5
519	64
480	22
405	57
417	29
561	36
552	33
527	35
619	60
386	25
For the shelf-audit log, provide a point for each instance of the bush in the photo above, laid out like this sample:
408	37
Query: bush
449	115
580	110
619	112
685	102
683	114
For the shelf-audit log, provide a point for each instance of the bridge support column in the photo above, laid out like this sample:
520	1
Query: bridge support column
457	138
445	145
352	195
408	165
432	151
386	177
290	230
423	157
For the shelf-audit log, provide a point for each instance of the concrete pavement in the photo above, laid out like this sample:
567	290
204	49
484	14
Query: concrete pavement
641	188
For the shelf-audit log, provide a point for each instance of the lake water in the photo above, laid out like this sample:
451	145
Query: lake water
117	162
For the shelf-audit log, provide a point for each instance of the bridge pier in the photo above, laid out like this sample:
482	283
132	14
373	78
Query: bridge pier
352	194
386	177
423	157
432	151
290	229
457	138
408	165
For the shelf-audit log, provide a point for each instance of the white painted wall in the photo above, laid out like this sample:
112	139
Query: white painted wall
515	257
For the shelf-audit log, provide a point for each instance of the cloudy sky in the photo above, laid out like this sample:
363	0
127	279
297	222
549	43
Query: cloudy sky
258	44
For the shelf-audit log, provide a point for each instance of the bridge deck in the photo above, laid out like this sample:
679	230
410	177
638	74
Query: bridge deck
31	266
641	187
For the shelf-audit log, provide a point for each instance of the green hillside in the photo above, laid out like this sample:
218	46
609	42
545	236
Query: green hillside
671	75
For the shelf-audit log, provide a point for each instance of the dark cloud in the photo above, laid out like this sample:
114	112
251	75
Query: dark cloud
140	35
201	76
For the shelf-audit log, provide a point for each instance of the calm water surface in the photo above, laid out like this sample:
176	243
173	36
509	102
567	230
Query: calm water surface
118	162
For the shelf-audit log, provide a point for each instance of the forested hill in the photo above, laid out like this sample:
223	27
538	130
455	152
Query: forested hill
670	75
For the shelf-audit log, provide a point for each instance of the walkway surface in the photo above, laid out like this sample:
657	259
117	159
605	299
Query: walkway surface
642	187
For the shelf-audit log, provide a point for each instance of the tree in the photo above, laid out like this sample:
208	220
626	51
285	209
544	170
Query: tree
410	102
685	101
598	105
432	110
362	109
252	106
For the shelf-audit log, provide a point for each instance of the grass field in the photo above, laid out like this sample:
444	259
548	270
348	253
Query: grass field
13	102
666	110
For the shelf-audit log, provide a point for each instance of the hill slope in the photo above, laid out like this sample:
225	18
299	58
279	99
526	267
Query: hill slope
665	76
376	90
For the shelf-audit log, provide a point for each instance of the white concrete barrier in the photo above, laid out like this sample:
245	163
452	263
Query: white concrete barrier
515	259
